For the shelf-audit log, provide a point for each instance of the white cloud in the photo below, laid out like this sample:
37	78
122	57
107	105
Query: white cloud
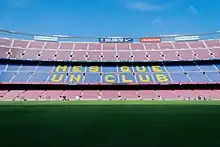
156	21
145	6
193	9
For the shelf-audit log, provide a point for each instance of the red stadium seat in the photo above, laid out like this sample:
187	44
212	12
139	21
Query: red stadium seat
20	44
137	46
196	44
31	95
109	56
166	45
5	42
52	95
12	95
4	52
140	56
155	56
2	93
171	55
185	94
110	95
125	56
123	46
95	46
36	45
212	43
207	94
148	94
91	95
168	94
66	46
151	46
72	94
186	55
128	94
181	45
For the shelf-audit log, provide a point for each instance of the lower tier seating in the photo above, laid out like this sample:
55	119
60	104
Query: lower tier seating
52	95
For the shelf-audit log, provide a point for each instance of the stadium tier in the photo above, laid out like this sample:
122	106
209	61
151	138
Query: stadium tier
109	95
115	74
55	51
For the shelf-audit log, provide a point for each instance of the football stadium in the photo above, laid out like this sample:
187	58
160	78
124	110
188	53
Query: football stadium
114	91
114	68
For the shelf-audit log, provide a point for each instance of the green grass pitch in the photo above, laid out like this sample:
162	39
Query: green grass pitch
110	124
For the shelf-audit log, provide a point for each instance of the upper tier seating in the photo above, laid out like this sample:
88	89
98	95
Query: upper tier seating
171	51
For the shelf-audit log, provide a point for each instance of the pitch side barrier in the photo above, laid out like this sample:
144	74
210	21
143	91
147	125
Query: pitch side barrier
109	87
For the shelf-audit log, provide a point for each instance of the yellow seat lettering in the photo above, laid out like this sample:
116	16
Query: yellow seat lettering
162	78
61	68
77	68
75	78
109	78
55	78
93	69
125	69
125	80
144	79
156	69
141	69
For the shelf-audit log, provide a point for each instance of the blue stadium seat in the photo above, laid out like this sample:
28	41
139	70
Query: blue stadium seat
13	67
214	76
6	76
207	68
179	78
198	77
189	68
21	77
30	68
38	77
44	68
109	69
218	66
92	78
2	67
174	69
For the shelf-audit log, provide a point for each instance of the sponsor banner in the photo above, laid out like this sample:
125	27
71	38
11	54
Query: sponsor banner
150	40
116	40
45	38
187	38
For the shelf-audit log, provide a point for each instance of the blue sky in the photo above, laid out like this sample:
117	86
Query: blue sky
110	17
